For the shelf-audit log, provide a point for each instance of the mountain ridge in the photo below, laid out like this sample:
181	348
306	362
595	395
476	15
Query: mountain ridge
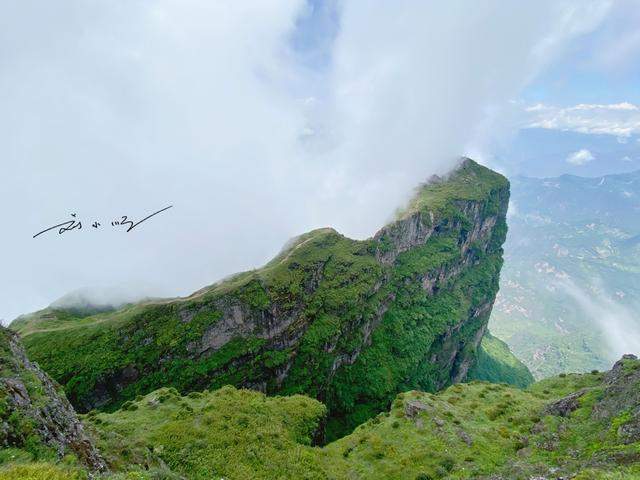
350	322
331	334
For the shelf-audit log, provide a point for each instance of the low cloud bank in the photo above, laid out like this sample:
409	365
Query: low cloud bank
621	120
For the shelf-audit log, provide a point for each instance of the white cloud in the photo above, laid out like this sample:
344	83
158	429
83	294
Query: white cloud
618	43
114	108
621	120
618	322
581	157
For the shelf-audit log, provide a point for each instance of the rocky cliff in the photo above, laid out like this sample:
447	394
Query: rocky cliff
349	322
36	420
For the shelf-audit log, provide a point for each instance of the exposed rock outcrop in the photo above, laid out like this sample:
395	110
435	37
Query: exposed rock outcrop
33	410
565	406
621	397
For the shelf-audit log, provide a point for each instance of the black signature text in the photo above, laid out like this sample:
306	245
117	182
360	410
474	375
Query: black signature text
75	224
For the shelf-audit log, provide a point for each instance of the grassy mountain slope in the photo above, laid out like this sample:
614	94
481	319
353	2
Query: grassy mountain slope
581	426
349	322
570	285
571	424
226	433
497	364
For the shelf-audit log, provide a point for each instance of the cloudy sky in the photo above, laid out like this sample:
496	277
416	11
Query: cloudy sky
260	120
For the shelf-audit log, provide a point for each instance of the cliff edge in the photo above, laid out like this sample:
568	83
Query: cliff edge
348	322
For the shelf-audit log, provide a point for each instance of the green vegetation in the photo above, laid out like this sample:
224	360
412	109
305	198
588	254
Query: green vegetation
472	430
496	363
47	319
41	471
409	333
38	426
464	432
228	433
470	182
477	430
19	434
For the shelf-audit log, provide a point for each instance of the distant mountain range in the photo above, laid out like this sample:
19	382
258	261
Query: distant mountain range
570	289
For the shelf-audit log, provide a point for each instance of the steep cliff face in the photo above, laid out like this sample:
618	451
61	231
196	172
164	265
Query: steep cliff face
349	322
35	419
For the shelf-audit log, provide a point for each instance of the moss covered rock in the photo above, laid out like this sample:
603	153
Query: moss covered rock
36	420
